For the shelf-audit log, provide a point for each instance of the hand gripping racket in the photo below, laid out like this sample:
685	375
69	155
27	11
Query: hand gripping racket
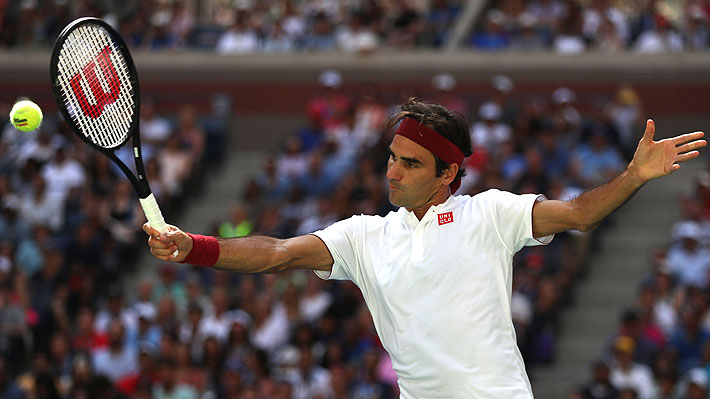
95	86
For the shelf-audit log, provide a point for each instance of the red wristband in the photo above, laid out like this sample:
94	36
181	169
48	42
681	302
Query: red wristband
205	251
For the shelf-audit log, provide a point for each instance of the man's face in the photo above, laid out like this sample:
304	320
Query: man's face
411	172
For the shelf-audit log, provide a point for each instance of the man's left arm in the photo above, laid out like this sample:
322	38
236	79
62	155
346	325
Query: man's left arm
652	159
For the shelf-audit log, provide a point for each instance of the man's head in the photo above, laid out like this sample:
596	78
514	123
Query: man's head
416	175
624	348
115	334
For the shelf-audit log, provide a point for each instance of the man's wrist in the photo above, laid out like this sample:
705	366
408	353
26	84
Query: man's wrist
634	176
204	252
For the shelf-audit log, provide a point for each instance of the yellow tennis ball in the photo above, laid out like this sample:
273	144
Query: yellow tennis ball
26	116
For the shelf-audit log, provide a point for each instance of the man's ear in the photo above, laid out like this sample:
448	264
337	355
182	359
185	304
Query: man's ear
450	174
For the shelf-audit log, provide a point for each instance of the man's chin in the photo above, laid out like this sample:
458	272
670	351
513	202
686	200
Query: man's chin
394	199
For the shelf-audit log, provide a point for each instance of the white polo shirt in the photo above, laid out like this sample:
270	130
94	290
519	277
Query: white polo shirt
439	291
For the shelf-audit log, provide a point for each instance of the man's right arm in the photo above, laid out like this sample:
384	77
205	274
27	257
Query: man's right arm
257	254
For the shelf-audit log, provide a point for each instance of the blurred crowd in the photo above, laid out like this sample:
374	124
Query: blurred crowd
607	26
240	26
363	26
662	347
69	227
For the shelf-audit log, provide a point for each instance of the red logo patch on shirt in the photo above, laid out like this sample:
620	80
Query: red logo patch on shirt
445	218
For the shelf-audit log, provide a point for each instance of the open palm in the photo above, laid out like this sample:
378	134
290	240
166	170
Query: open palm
654	159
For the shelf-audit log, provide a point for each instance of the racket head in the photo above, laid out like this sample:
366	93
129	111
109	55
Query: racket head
95	84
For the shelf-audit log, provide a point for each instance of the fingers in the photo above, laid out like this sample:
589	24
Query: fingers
685	138
159	242
166	252
687	156
650	130
149	230
691	146
166	258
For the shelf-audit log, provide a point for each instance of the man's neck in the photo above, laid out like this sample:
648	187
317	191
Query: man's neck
434	201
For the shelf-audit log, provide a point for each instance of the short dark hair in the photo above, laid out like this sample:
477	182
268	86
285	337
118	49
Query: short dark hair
450	124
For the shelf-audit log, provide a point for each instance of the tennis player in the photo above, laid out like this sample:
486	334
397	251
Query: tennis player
436	275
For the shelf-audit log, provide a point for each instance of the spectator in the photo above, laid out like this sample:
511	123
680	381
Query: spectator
118	360
600	386
13	227
293	163
115	309
182	23
122	214
489	133
549	13
9	389
240	224
41	206
689	262
570	39
626	116
493	36
689	338
219	322
38	148
28	256
315	300
175	166
316	181
368	383
442	16
696	31
278	40
529	36
597	161
356	36
627	374
308	380
697	384
240	38
271	326
155	129
86	338
148	335
168	386
187	374
632	326
660	38
320	36
444	83
191	134
600	15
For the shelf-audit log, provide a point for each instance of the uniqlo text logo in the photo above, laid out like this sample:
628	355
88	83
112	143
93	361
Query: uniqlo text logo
445	218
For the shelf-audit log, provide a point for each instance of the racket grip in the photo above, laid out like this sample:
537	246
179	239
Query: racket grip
153	214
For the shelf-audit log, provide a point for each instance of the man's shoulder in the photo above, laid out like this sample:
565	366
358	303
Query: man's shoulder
492	194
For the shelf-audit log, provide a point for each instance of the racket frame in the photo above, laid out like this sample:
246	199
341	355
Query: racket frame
138	180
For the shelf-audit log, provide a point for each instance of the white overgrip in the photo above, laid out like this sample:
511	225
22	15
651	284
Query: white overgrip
153	214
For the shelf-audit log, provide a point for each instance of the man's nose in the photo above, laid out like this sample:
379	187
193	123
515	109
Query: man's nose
393	172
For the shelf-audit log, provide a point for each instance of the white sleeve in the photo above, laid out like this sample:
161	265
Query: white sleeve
512	217
344	244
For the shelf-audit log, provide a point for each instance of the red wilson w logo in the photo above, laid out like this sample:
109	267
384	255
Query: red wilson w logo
102	97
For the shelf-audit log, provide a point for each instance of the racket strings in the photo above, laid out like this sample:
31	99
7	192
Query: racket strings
96	86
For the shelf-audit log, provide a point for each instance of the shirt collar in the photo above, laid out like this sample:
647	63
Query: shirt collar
410	219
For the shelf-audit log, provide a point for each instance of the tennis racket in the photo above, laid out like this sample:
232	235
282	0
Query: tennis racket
95	86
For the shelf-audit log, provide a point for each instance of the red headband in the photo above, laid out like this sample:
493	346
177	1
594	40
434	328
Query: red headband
434	142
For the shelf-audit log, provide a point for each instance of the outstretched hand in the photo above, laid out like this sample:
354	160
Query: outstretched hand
162	246
654	159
